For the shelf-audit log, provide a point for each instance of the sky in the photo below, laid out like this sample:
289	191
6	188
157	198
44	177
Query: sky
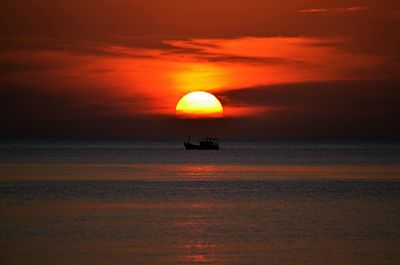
281	69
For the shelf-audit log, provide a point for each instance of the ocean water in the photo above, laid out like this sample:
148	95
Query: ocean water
152	202
167	160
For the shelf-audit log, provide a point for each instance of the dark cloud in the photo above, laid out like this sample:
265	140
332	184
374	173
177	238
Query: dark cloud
24	108
246	59
110	47
29	112
340	109
337	109
311	94
16	67
200	51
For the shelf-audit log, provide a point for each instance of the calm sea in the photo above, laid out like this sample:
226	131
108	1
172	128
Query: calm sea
152	202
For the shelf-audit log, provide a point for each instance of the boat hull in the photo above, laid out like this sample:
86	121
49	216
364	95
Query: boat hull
189	146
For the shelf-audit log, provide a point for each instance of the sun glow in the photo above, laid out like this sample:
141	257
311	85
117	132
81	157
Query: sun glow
199	104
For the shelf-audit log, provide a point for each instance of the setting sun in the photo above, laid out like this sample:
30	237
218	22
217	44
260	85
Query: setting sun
199	104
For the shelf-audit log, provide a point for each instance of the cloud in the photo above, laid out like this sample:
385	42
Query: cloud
116	47
139	48
51	104
331	109
56	83
215	50
340	100
352	9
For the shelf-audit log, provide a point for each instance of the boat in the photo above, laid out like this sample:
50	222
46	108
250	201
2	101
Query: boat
206	143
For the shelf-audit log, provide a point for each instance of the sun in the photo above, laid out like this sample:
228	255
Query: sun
199	104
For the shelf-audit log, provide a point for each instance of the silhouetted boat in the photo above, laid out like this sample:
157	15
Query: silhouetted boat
205	144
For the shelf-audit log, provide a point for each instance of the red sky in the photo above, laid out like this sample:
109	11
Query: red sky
282	69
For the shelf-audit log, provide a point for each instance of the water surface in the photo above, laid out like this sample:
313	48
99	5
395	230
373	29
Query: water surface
155	203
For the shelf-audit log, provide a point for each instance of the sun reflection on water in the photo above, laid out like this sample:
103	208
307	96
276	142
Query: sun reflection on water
199	246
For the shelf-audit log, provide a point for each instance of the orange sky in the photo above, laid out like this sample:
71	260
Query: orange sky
159	77
133	59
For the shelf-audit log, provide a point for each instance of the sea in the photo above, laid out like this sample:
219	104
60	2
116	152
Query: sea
152	202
